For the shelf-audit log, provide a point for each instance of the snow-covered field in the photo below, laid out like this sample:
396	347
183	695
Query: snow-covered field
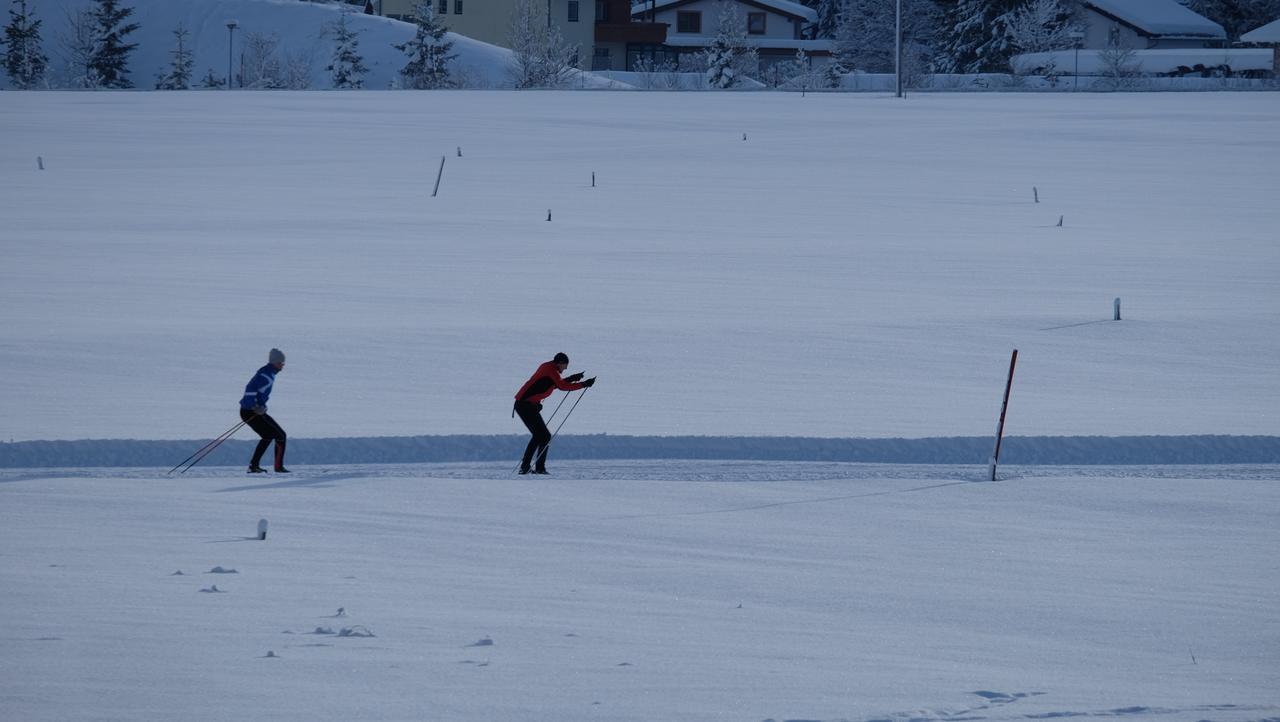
629	592
856	266
745	264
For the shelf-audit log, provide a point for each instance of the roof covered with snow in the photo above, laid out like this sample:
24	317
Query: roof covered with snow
781	6
1269	33
1160	17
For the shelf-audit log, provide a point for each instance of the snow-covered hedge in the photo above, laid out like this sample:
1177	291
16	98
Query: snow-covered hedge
1067	450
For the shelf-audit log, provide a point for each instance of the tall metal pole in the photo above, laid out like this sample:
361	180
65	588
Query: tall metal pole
1004	407
231	34
897	48
1078	37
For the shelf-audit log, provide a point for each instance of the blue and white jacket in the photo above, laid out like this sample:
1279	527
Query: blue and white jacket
258	390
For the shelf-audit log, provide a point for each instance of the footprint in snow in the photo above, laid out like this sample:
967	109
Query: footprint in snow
220	570
486	642
213	589
177	574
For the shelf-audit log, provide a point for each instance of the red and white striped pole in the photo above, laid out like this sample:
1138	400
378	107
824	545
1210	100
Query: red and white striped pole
1008	386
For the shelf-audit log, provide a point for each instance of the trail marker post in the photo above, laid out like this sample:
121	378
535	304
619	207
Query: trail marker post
1004	408
439	174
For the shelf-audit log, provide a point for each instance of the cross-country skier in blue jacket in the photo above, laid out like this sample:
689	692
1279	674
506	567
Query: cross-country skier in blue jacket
253	411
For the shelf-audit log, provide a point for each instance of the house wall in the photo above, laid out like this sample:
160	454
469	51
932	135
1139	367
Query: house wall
490	20
776	26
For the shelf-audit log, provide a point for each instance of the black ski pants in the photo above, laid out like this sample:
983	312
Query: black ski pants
531	415
270	431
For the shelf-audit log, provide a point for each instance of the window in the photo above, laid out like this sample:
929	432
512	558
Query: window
689	22
573	11
457	7
600	59
602	11
755	23
444	7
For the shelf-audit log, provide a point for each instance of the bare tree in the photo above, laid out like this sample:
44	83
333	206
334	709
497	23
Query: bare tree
260	65
79	45
541	58
1119	64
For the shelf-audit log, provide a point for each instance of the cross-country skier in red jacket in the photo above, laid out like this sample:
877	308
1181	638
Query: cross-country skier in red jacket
529	398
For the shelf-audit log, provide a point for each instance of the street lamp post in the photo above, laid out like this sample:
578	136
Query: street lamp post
1077	36
897	48
231	34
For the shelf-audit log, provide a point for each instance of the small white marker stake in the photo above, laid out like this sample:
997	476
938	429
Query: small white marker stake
262	530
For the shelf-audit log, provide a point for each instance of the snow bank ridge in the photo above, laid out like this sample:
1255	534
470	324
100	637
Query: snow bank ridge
1055	450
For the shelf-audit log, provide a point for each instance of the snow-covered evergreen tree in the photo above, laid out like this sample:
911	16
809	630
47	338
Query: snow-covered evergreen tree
1237	16
864	39
111	54
828	16
730	58
833	74
347	69
1040	26
179	75
212	80
975	38
428	51
24	60
541	58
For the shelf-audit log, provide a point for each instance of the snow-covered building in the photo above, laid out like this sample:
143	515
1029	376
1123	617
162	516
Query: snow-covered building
1147	24
490	20
1267	35
776	28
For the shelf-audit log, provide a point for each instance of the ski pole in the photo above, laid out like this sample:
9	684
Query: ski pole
566	418
553	413
211	449
208	448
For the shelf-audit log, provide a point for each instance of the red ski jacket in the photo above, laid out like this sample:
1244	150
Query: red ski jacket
543	382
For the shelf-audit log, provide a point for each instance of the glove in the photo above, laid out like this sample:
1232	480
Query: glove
260	410
574	378
589	383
